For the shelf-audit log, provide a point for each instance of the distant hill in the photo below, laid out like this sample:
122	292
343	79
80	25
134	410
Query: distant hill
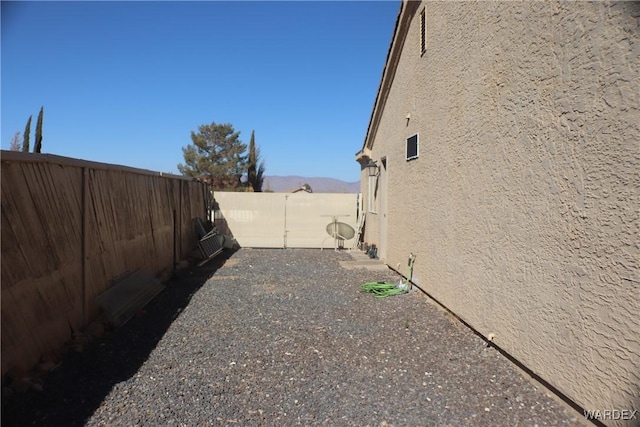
287	184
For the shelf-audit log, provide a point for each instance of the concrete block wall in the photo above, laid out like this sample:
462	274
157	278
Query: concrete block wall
523	205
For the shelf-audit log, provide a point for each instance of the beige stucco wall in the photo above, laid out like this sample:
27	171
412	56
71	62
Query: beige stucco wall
523	206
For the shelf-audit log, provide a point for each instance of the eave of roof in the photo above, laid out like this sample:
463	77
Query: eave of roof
405	14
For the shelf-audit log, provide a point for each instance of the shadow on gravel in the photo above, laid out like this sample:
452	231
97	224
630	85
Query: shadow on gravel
73	391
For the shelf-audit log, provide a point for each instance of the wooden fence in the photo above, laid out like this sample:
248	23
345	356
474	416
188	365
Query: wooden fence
69	228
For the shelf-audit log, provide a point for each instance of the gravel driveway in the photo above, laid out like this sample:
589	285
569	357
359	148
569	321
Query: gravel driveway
274	337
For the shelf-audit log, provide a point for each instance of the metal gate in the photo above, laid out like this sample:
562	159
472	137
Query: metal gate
284	220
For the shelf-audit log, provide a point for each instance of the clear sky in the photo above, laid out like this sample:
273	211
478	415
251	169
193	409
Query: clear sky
127	82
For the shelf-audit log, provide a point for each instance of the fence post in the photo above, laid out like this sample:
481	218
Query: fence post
175	238
84	243
180	223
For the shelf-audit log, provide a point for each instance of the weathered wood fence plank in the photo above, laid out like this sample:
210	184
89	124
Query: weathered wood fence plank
69	228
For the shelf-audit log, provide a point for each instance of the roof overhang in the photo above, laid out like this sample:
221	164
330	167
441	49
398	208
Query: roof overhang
407	10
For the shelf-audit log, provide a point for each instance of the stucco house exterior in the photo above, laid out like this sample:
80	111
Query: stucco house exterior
506	140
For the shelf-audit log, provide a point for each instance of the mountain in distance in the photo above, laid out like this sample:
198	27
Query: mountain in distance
288	184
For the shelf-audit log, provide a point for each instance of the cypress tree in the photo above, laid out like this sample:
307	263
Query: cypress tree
25	140
255	171
38	145
251	170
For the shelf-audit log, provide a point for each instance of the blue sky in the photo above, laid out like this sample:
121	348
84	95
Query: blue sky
126	82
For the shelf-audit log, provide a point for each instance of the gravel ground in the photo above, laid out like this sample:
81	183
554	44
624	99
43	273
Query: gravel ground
285	337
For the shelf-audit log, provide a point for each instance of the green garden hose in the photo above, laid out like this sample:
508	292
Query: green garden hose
386	289
382	289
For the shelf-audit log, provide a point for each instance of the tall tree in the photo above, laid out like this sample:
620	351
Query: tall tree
25	140
216	155
15	142
38	145
255	170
